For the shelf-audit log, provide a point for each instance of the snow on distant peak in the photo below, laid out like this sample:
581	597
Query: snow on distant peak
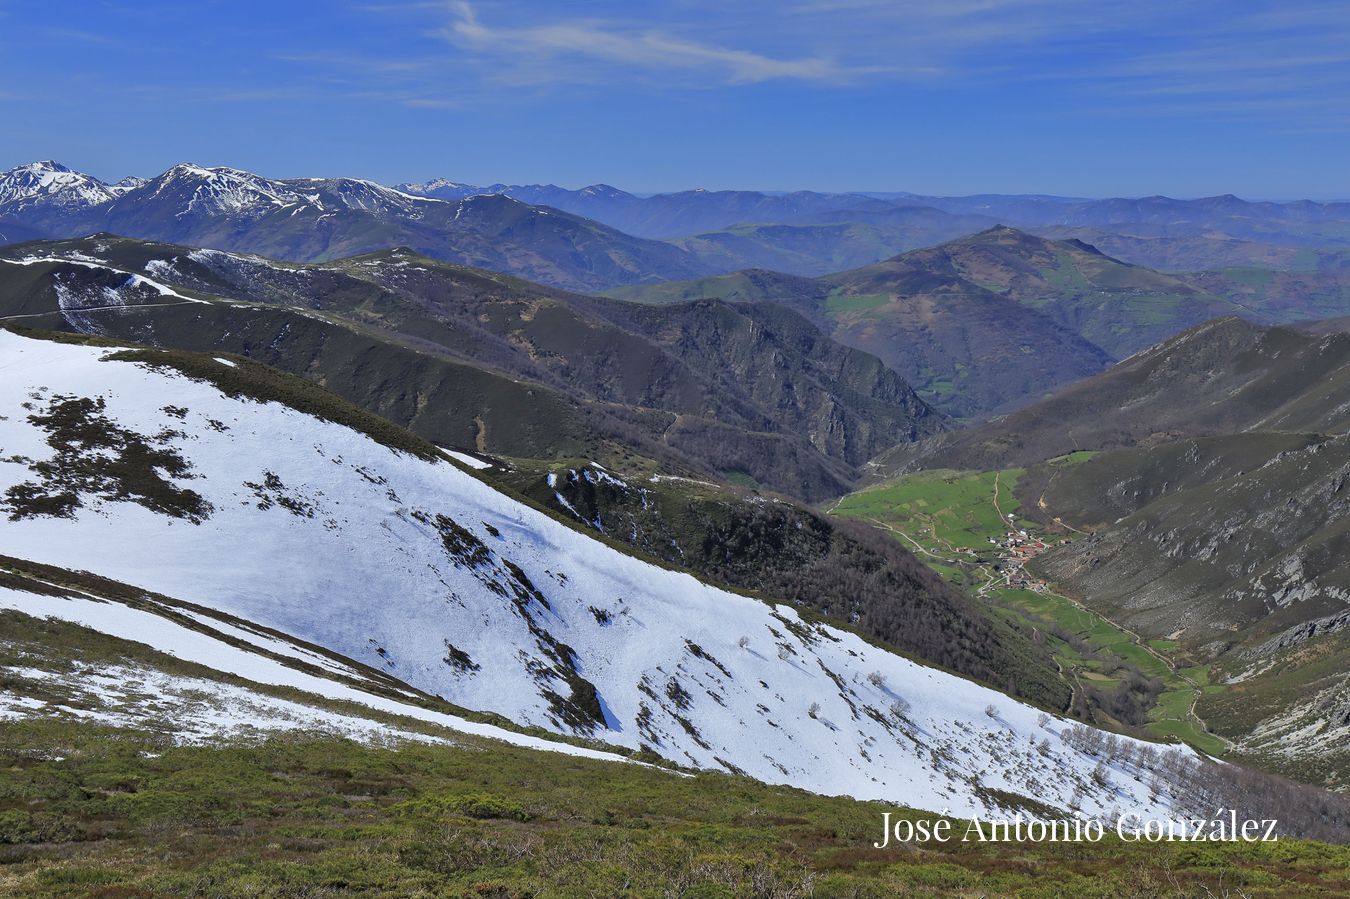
130	182
222	190
435	184
49	183
445	189
358	193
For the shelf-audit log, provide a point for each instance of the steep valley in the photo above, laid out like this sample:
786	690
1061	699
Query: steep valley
1192	496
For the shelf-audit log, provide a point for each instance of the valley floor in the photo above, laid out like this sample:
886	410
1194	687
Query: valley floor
967	526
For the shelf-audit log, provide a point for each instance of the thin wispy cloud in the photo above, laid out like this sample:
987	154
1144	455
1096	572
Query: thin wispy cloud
1101	53
1289	66
643	49
72	34
1155	56
853	42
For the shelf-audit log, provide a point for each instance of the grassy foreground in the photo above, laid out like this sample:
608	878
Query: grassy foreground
96	812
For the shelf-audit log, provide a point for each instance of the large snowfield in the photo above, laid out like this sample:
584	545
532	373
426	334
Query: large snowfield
420	569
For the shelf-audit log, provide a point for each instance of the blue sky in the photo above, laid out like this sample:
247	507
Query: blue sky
1184	97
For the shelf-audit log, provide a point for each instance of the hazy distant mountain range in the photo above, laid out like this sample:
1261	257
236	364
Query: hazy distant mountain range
694	211
601	237
937	313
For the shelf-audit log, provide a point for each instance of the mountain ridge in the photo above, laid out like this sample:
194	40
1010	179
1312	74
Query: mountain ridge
706	387
314	219
984	323
1224	376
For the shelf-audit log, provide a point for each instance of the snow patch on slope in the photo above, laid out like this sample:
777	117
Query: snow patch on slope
191	710
210	650
133	279
472	461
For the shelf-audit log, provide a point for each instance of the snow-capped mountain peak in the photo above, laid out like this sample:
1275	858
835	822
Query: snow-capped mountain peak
49	183
358	193
426	187
46	165
217	190
130	182
194	190
442	189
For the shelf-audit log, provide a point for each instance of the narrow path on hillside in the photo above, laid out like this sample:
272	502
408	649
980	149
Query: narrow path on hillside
98	309
1001	516
917	545
1074	685
1045	507
665	434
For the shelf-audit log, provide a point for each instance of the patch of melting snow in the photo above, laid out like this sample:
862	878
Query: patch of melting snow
596	474
133	279
207	649
471	461
659	478
192	710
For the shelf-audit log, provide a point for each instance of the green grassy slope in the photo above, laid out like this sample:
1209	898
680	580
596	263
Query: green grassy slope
95	811
949	518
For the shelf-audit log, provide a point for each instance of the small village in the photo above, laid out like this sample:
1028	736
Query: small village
1018	547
